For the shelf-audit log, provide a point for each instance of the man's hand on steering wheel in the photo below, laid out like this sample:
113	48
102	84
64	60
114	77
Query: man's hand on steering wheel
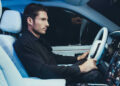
87	66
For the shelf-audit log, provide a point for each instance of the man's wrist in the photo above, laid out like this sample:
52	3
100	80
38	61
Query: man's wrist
81	68
78	58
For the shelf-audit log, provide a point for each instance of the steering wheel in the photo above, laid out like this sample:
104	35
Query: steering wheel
98	45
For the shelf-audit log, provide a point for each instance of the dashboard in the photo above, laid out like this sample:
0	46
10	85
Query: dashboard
113	58
110	63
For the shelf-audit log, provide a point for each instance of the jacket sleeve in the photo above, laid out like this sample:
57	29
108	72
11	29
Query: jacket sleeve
38	68
47	71
60	59
42	70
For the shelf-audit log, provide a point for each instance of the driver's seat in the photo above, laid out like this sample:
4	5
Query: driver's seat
11	24
10	76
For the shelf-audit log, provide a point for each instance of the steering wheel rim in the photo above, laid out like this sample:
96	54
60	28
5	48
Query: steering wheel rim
98	45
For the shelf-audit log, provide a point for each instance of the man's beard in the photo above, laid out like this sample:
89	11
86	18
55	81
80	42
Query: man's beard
36	32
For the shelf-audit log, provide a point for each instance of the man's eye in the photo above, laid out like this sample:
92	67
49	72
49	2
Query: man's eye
43	19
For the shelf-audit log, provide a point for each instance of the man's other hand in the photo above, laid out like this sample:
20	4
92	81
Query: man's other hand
84	55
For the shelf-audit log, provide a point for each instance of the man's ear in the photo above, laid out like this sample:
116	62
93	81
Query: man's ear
30	21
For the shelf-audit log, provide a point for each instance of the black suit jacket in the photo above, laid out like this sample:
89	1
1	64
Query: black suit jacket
39	61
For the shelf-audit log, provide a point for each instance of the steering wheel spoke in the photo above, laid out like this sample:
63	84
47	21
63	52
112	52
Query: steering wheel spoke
94	48
98	44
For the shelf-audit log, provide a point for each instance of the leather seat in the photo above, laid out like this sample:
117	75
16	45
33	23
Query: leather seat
12	72
11	23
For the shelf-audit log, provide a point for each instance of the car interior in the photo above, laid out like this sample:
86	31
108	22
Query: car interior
105	48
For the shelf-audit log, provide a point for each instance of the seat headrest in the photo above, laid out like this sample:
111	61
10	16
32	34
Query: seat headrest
0	9
11	21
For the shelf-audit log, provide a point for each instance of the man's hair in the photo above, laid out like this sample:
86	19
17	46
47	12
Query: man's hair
31	10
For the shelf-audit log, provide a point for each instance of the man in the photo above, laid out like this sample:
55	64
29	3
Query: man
37	57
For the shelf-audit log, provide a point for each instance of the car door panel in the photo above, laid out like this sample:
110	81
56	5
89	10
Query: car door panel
71	50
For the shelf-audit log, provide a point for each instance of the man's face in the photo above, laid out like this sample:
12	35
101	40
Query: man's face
41	23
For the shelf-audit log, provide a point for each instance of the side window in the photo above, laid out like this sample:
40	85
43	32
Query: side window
89	33
65	27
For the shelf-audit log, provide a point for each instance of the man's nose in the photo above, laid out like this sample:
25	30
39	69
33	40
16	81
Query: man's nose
47	24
